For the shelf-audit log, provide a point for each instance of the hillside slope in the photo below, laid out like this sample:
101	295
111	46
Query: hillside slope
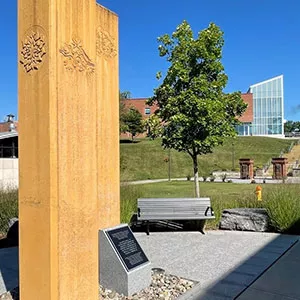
146	159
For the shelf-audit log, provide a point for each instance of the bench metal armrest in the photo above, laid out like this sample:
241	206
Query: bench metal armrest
211	211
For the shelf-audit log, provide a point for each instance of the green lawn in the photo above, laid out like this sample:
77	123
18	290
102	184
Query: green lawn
281	200
146	159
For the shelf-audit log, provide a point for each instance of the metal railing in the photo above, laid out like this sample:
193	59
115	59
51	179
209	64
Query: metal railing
8	151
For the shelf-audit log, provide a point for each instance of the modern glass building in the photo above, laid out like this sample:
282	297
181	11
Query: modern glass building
267	109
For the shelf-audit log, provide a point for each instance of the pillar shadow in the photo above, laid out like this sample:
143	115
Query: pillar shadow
9	269
233	284
9	260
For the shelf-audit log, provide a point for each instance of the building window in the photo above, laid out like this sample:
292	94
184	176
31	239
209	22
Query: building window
268	107
244	129
147	111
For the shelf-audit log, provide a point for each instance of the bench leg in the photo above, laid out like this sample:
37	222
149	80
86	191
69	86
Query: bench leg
147	228
202	225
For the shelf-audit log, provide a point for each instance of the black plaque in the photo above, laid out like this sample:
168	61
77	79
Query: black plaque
127	247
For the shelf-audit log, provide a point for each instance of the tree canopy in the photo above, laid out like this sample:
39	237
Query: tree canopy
133	122
153	126
290	126
196	113
122	109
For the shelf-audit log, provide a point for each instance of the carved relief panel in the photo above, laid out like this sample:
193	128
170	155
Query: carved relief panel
76	59
106	44
33	49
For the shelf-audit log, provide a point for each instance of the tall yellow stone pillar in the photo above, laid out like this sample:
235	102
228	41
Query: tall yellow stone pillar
60	149
108	116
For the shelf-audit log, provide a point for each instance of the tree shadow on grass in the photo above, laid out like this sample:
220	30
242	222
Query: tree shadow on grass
129	141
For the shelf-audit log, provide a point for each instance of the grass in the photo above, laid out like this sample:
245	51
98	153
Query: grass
280	200
129	194
8	208
146	159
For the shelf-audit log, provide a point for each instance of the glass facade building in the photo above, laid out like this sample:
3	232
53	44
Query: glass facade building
267	109
244	129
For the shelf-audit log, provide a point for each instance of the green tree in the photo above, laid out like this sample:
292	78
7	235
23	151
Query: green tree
153	126
133	122
196	113
290	126
122	109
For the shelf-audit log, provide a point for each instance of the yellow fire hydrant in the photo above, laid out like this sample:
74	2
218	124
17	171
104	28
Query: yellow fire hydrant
258	191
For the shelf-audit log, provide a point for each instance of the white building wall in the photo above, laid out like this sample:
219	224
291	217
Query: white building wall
9	173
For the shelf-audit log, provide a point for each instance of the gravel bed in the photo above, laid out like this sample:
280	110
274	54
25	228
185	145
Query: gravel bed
163	287
12	295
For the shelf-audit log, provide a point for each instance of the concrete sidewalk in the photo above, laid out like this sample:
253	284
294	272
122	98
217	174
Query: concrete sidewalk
223	263
226	264
281	281
269	180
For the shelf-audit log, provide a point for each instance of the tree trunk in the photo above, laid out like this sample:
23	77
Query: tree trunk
196	176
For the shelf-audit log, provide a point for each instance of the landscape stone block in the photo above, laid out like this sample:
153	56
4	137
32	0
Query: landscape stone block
245	219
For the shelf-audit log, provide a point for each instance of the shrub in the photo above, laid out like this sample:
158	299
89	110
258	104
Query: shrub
283	206
129	196
281	201
8	208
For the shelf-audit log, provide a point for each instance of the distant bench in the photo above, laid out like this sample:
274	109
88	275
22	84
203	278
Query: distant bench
172	209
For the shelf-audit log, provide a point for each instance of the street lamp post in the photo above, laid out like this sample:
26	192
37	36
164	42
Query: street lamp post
233	166
169	161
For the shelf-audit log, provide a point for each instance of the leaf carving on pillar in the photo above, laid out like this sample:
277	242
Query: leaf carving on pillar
106	44
76	59
33	49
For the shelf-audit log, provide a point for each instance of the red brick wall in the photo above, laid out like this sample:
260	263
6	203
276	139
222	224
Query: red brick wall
140	105
4	127
248	115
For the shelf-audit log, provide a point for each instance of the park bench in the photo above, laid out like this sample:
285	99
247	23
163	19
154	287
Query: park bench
173	209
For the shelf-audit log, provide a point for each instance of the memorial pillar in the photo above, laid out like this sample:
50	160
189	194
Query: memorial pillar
60	170
107	82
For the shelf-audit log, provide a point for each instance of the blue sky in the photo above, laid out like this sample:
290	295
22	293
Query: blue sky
262	40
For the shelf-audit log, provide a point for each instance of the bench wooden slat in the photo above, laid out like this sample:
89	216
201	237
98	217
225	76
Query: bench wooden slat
174	217
173	200
151	209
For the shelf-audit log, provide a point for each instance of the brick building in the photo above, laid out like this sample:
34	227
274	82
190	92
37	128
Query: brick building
9	138
140	104
264	114
146	111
